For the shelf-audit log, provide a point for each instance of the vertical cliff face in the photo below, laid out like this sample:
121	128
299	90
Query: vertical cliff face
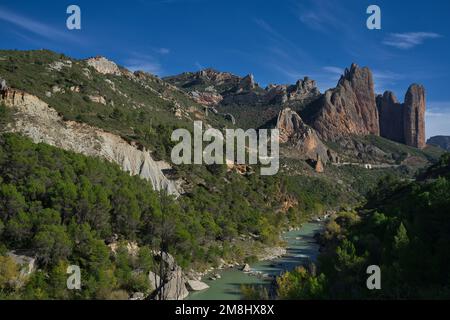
414	116
391	117
403	122
350	108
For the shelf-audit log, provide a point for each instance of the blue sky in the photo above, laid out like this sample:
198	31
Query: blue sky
278	41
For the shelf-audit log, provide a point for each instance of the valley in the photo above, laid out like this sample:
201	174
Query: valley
87	178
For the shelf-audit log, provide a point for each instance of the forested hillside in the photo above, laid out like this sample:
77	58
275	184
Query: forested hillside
404	229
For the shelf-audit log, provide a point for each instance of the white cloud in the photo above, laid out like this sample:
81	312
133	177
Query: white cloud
409	40
437	119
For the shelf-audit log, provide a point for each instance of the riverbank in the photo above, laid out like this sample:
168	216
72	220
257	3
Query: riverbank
301	248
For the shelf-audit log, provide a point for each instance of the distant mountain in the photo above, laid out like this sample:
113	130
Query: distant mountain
440	141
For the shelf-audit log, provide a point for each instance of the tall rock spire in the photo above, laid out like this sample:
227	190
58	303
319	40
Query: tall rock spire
414	116
403	122
350	108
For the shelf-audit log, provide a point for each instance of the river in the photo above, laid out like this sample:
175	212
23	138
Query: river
300	247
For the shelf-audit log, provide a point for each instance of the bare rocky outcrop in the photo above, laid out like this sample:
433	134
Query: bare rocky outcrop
319	165
36	120
172	286
26	263
104	66
3	85
206	98
217	77
247	83
302	137
348	109
97	99
195	285
59	65
303	90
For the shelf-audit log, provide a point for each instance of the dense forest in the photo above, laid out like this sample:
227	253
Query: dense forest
404	229
65	208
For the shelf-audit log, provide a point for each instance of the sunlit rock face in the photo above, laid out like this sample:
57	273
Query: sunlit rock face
350	108
104	66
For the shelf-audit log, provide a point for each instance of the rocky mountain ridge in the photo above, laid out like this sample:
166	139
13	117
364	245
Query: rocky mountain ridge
308	119
211	88
351	108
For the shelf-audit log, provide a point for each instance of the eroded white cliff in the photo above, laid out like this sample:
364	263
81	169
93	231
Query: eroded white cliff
38	121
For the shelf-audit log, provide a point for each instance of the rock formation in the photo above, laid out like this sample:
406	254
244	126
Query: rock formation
206	98
403	122
104	66
414	116
247	83
36	120
3	86
231	89
301	91
173	284
319	165
391	117
196	285
26	263
217	77
302	137
348	109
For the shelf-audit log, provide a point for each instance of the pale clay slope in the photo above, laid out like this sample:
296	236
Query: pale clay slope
36	120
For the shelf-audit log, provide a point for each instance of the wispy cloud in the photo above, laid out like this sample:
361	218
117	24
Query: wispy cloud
334	70
162	51
409	40
143	62
37	28
323	15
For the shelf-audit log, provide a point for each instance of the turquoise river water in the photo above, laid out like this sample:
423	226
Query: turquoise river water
300	248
